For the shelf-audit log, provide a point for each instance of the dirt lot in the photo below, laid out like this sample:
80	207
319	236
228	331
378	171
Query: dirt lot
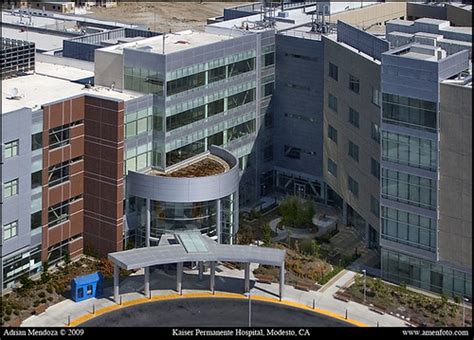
164	16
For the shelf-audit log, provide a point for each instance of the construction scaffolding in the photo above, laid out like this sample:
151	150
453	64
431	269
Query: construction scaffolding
16	57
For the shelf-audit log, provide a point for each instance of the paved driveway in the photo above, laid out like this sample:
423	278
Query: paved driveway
212	313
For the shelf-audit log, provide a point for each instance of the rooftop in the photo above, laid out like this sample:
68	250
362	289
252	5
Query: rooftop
204	165
173	42
33	91
43	41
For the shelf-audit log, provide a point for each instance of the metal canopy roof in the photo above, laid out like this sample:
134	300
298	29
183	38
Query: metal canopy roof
166	254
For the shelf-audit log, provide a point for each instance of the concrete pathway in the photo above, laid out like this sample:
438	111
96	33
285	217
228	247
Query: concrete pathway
227	280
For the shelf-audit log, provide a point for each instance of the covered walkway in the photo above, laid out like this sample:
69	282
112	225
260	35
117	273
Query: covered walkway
194	247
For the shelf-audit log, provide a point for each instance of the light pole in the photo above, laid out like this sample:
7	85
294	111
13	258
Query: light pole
365	277
249	295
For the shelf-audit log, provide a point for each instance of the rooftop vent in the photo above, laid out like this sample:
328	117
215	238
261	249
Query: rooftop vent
15	95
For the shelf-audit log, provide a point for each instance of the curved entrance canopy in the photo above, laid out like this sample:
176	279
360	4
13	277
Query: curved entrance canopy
194	247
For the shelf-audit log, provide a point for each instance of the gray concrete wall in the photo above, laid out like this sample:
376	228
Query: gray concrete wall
17	125
455	184
306	100
108	69
368	71
458	16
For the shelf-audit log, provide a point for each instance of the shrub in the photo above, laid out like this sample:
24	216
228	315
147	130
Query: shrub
8	311
16	312
49	289
106	268
42	294
6	318
267	234
309	247
43	301
36	303
457	299
26	282
50	298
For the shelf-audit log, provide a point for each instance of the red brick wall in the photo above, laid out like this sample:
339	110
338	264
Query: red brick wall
98	216
103	176
56	115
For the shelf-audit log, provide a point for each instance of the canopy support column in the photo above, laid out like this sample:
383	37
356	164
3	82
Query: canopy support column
213	276
247	278
200	269
148	223
282	279
116	283
179	278
147	281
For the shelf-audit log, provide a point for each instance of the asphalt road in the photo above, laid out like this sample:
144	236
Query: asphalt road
210	312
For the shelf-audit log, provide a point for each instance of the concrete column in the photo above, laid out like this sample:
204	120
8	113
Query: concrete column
213	276
147	281
116	283
219	221
200	269
282	279
247	277
148	223
179	277
235	224
344	212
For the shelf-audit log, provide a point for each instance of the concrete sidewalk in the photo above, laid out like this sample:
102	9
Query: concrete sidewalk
163	283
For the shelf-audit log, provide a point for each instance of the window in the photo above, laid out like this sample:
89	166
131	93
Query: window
410	112
333	71
269	119
374	206
36	179
241	67
58	137
332	102
409	150
268	59
240	130
10	230
58	173
185	83
354	84
217	74
11	188
215	107
353	117
354	151
268	89
375	132
353	186
409	189
240	99
11	148
292	152
37	141
376	97
131	129
332	167
408	228
302	57
36	220
58	213
268	152
332	134
375	168
184	118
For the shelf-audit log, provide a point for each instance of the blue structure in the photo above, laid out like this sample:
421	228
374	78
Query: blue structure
85	287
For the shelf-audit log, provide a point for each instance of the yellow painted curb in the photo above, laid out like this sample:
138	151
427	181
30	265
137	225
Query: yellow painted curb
125	304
